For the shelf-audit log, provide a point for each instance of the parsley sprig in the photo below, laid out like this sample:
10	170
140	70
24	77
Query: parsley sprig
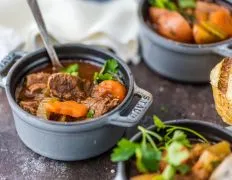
170	5
108	72
148	152
72	69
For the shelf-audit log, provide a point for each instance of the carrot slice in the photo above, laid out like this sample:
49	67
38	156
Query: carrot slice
222	20
69	108
115	88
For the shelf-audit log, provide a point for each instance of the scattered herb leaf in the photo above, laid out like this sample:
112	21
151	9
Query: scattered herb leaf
150	158
181	137
165	4
169	172
71	69
177	153
124	151
158	123
139	164
90	113
183	4
108	72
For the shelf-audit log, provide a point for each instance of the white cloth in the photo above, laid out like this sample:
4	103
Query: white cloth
113	24
9	40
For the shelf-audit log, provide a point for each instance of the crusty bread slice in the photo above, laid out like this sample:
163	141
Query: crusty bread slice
221	81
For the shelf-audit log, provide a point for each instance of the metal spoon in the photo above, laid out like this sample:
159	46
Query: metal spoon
43	32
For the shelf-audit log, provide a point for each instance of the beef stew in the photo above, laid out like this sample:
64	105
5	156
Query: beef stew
191	21
76	92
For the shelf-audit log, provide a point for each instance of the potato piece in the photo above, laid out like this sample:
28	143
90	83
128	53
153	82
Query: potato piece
202	36
143	177
204	165
213	29
171	25
41	111
221	149
209	159
197	150
222	20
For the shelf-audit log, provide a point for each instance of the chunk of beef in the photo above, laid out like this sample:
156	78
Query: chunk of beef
30	106
36	83
66	87
87	86
100	105
97	92
37	78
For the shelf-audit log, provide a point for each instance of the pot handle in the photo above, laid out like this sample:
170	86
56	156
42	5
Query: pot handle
137	112
6	63
224	50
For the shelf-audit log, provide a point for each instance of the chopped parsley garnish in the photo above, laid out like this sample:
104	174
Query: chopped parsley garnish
183	4
90	113
170	5
71	69
108	72
165	4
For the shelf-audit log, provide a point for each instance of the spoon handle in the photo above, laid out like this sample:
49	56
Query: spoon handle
33	4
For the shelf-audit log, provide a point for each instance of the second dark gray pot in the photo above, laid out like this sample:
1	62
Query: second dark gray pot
179	61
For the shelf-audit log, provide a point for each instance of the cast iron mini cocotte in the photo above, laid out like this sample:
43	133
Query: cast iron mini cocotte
179	61
73	140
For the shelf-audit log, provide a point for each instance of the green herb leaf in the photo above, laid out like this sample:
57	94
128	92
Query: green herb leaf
177	153
158	123
139	163
186	4
181	137
103	77
169	172
171	6
164	4
90	113
183	169
108	72
71	69
124	150
151	158
111	66
172	128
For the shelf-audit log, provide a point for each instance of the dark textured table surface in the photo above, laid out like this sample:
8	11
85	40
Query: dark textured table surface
172	100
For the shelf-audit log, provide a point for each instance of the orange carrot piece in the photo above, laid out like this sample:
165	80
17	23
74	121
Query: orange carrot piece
222	20
69	108
115	88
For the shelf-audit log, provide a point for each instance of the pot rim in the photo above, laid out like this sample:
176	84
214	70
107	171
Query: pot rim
102	120
189	122
155	35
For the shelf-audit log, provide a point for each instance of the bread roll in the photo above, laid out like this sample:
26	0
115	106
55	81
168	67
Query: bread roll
221	81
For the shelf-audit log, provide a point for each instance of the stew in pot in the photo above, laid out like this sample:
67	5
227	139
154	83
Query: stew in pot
170	152
191	21
79	91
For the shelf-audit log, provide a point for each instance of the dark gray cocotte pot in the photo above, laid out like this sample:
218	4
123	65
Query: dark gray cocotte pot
74	140
175	60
